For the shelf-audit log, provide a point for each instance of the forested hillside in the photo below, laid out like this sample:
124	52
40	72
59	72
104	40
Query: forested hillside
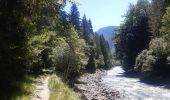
142	42
39	34
107	32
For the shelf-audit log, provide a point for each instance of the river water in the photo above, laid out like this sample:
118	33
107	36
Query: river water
133	88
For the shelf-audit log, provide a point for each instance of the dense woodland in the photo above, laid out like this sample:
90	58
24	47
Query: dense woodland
142	42
39	34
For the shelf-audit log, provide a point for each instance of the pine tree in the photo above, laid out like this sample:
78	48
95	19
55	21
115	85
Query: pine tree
90	26
75	17
105	49
134	33
98	47
87	30
84	30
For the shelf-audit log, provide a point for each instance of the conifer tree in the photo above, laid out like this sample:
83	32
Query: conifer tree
134	33
75	17
105	49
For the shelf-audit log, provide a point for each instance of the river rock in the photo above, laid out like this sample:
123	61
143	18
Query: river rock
94	89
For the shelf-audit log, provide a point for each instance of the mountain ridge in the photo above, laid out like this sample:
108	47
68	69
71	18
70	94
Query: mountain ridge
108	32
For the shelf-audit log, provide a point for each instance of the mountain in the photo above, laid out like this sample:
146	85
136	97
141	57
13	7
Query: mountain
107	32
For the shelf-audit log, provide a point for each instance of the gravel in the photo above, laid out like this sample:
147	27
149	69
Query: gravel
90	87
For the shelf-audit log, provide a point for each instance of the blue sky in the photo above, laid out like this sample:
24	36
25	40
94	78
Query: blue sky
103	12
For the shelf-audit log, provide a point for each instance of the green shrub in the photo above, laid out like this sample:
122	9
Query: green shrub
145	61
155	59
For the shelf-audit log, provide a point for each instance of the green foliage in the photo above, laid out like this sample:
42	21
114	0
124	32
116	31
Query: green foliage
105	49
92	51
155	16
145	61
133	35
68	56
100	61
118	46
36	34
165	29
75	17
59	90
154	61
157	10
132	41
87	30
91	66
35	46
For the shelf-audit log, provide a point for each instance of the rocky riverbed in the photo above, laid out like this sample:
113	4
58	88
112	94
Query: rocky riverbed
90	87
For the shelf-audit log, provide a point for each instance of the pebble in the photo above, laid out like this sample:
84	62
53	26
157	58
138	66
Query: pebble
94	89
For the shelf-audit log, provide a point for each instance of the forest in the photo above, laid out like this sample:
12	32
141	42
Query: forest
142	42
39	34
38	38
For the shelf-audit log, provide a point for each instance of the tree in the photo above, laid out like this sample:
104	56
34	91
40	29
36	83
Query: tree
134	35
165	29
155	16
91	65
87	30
75	17
26	28
154	61
105	49
23	25
98	46
90	26
68	56
157	10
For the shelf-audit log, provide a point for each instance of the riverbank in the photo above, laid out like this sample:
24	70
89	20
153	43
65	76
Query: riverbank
90	87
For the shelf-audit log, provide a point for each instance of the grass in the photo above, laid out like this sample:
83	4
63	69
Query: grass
27	88
60	90
21	89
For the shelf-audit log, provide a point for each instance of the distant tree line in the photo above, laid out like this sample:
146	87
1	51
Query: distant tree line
142	42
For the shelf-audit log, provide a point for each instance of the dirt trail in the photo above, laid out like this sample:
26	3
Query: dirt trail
42	91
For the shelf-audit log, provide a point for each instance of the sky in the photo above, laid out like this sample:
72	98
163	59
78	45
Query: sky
103	12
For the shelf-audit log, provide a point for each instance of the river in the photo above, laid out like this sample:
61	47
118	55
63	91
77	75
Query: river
132	88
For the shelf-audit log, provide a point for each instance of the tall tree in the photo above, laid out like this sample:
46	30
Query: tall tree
87	30
90	26
134	33
98	46
157	11
105	49
75	17
155	16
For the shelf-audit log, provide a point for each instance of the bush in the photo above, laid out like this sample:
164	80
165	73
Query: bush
154	61
145	61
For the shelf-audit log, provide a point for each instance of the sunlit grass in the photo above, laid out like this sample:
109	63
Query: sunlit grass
59	90
24	88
